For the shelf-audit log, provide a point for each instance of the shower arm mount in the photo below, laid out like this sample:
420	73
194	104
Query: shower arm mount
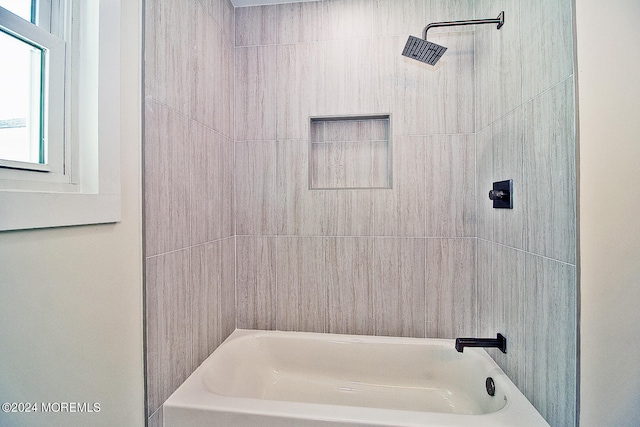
499	20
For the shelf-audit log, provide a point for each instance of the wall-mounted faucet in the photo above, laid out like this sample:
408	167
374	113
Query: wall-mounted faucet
499	342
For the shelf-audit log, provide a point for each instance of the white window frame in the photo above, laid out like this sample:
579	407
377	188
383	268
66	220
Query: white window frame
88	190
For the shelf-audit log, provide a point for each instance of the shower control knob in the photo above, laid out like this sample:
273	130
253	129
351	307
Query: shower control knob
498	195
502	194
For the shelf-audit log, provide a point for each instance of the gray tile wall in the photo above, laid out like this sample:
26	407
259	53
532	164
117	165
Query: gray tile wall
188	194
395	286
228	100
397	261
527	256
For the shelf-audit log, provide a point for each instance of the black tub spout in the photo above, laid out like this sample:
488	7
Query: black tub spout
499	342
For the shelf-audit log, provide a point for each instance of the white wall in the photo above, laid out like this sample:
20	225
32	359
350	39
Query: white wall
609	125
71	298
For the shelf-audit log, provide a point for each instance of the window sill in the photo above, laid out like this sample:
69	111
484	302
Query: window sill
20	210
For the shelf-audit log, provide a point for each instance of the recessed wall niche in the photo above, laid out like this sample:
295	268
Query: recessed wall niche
350	152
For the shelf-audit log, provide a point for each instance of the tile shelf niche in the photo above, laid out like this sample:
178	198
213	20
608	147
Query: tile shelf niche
352	152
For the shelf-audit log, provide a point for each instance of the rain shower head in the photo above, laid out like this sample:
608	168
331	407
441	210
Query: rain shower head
429	52
423	50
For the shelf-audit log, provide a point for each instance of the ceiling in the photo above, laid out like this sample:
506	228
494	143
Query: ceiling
242	3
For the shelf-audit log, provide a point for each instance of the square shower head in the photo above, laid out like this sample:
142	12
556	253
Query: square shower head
423	50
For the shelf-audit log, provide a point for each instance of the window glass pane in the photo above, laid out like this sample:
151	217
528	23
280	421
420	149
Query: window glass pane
22	8
20	101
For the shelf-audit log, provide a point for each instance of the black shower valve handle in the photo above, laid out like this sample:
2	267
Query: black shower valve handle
502	194
499	195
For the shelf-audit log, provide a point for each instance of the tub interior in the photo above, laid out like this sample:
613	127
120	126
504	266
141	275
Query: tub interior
317	368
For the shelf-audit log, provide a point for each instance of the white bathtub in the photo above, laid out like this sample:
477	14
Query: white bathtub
267	378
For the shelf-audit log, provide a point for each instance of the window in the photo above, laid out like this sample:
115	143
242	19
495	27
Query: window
31	90
21	121
59	113
25	9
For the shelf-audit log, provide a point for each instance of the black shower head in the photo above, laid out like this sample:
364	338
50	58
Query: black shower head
429	52
423	50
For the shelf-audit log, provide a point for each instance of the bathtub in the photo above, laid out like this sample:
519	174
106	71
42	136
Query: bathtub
273	378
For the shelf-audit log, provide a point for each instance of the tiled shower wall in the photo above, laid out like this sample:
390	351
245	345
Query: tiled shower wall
188	193
427	257
403	261
527	256
399	261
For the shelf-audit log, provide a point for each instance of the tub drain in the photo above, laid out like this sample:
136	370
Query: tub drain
491	386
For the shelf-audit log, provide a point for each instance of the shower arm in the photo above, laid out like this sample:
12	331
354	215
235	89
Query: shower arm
499	20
